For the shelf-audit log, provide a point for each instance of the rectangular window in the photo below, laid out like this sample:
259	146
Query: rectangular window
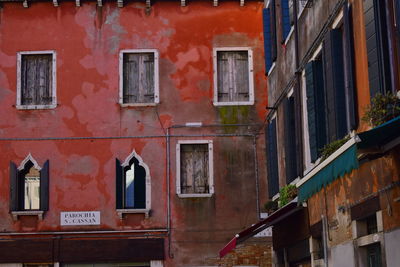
233	76
36	80
270	46
139	85
194	168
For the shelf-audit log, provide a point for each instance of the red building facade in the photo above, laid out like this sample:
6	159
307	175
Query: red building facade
129	134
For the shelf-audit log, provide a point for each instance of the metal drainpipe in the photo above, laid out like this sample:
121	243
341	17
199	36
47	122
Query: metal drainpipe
324	240
171	256
256	175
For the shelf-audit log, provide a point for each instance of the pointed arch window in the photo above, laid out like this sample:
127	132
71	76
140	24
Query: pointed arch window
29	187
133	187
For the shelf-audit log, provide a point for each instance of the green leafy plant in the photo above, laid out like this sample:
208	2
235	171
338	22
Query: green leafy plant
286	194
382	109
270	206
330	148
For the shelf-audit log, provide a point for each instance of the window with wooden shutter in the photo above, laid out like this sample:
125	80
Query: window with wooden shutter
194	167
290	140
287	18
36	80
139	77
29	186
270	46
132	185
233	78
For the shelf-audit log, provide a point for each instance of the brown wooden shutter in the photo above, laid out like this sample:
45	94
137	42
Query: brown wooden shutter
44	79
148	90
130	78
241	70
194	169
13	187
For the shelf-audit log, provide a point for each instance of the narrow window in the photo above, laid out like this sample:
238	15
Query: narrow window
233	80
36	80
270	45
29	186
132	183
194	164
272	162
138	77
287	18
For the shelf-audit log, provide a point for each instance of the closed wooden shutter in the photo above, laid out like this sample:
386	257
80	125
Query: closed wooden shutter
13	187
285	19
36	79
138	78
225	83
194	168
272	159
119	185
274	47
350	69
290	140
334	85
267	39
315	107
44	187
377	46
140	187
241	76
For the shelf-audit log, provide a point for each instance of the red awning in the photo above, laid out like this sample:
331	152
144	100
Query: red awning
274	218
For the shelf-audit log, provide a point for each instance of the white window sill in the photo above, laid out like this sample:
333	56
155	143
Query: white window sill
194	195
247	103
38	213
51	106
271	69
289	35
121	212
125	105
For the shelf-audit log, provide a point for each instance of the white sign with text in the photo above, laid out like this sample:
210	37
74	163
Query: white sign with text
80	218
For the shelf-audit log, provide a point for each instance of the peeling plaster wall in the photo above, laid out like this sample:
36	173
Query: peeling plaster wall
87	41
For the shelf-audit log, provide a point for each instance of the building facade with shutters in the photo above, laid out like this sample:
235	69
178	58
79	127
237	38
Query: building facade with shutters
131	132
326	62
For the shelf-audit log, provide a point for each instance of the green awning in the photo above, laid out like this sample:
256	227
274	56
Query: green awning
344	163
380	135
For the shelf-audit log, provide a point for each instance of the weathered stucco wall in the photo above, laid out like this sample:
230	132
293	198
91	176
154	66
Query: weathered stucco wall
87	41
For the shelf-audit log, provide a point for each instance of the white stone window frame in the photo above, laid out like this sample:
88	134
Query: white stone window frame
147	209
210	168
156	77
251	76
53	85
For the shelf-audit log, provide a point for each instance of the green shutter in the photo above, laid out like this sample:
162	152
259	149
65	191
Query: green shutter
44	187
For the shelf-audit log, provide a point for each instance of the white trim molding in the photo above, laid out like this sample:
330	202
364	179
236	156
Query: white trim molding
31	159
53	85
210	168
156	77
251	76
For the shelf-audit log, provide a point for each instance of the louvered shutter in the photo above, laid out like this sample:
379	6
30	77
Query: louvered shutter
273	31
44	74
285	19
44	187
130	78
315	107
223	76
28	80
13	187
350	76
334	85
272	159
290	140
241	76
148	83
119	185
397	7
267	39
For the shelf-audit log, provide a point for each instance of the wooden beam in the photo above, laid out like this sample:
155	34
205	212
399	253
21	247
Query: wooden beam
120	3
78	2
